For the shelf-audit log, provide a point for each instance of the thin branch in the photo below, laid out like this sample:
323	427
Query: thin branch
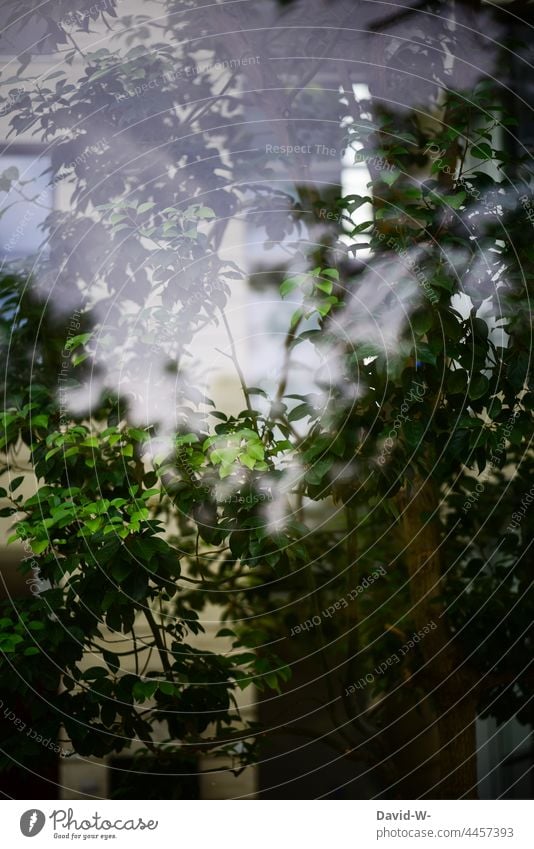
158	641
236	361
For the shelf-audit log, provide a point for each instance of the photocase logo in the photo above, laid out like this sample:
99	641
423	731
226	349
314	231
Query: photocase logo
32	822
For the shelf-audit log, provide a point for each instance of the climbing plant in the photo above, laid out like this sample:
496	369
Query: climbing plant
402	462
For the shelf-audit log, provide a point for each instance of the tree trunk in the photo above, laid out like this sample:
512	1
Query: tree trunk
452	685
457	733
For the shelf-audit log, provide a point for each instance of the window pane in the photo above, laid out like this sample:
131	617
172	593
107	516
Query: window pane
25	199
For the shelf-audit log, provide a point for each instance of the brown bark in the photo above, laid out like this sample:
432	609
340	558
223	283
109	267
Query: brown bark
452	685
457	733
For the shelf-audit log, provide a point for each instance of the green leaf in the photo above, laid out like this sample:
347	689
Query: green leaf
324	286
74	341
425	354
422	321
11	173
480	328
144	207
272	681
289	286
459	443
317	472
121	570
205	212
457	382
330	272
225	632
256	450
478	386
72	451
324	306
414	432
454	201
295	318
299	412
90	442
481	151
224	455
98	74
187	438
94	672
39	421
143	690
15	483
442	282
140	515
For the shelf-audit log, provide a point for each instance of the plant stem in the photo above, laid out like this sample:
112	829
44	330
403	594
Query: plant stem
159	643
236	362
